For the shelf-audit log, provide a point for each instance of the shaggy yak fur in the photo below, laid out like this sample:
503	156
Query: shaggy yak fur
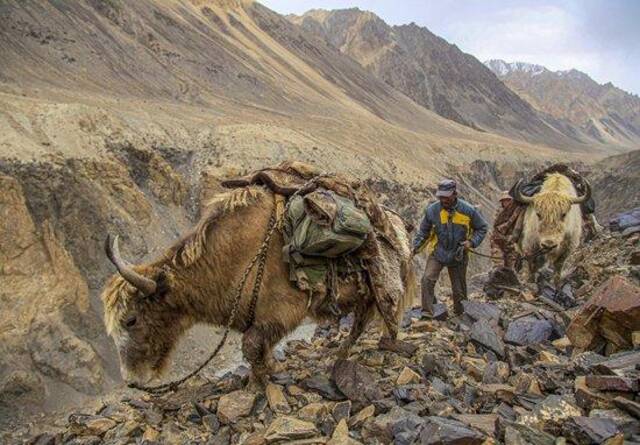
196	281
552	221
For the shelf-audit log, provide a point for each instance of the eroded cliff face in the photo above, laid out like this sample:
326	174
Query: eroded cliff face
54	219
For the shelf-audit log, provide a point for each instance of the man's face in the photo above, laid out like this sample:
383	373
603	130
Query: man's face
447	201
505	202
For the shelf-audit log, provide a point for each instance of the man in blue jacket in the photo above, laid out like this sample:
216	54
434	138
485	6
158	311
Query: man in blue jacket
449	228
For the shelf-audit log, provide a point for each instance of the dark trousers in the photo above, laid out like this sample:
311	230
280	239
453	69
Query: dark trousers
458	277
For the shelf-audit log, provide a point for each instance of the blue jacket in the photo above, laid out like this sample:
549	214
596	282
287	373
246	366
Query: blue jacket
443	231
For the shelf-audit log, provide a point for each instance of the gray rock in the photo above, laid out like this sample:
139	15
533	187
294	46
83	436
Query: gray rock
443	431
321	384
590	430
528	330
356	382
477	310
483	333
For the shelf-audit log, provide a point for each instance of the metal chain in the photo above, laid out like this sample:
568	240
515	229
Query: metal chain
259	258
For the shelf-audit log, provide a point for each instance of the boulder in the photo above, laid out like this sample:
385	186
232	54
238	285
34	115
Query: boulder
612	314
528	330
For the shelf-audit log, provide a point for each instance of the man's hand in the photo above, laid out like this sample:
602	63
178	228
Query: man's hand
467	245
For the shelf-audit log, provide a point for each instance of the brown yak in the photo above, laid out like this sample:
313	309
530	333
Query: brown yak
148	307
552	222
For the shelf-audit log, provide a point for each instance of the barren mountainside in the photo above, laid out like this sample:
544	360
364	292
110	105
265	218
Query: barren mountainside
605	112
439	76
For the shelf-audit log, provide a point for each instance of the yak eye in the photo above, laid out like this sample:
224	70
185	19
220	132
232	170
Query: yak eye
130	321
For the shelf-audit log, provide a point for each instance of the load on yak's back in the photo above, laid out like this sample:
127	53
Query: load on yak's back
345	253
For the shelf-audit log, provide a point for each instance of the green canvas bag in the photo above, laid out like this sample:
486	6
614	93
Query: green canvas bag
324	224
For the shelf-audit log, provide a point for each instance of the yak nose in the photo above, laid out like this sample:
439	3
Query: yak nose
548	244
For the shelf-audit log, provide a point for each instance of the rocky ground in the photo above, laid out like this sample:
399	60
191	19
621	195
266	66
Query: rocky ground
505	371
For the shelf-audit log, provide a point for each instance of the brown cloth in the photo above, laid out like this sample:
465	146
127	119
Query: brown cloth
288	177
506	231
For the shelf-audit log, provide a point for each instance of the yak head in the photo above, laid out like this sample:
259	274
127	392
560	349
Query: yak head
143	316
551	207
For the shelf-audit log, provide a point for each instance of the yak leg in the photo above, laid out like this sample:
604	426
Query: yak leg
534	264
558	264
257	343
361	318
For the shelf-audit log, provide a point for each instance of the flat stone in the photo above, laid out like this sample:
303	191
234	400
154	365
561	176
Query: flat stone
528	330
90	425
487	423
588	430
443	431
516	434
381	427
362	415
313	411
288	428
587	398
627	405
277	400
356	382
478	310
440	312
612	383
407	376
483	333
322	385
628	424
235	405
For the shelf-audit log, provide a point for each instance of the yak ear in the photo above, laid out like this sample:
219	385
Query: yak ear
163	286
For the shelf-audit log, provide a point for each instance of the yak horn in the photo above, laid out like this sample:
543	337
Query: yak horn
518	196
585	197
145	285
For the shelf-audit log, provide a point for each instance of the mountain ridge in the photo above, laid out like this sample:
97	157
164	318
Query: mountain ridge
604	111
439	76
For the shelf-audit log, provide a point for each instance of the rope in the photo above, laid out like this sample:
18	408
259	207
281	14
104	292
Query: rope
259	258
535	254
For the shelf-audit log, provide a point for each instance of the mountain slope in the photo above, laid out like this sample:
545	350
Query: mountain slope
605	112
436	75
